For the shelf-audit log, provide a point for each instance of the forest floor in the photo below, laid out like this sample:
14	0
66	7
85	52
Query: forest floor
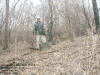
80	57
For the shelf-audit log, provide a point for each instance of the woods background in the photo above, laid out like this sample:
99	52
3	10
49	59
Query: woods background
64	19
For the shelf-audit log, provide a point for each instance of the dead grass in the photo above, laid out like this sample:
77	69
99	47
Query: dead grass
80	57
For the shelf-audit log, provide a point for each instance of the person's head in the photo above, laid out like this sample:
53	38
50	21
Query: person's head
38	19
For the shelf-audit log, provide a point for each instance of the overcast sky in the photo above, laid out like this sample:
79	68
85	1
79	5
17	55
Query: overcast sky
36	2
98	1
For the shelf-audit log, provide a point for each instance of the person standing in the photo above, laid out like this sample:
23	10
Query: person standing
40	34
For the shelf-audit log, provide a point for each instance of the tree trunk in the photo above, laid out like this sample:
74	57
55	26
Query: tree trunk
51	21
86	16
6	37
96	14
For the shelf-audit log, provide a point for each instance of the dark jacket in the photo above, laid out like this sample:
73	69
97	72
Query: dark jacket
39	29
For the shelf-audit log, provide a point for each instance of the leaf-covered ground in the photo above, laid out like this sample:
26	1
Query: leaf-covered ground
80	57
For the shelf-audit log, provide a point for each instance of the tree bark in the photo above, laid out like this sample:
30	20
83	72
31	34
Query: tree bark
51	21
6	35
96	14
86	16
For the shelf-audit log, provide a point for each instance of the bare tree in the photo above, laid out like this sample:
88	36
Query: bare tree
86	16
96	14
50	28
6	37
69	19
